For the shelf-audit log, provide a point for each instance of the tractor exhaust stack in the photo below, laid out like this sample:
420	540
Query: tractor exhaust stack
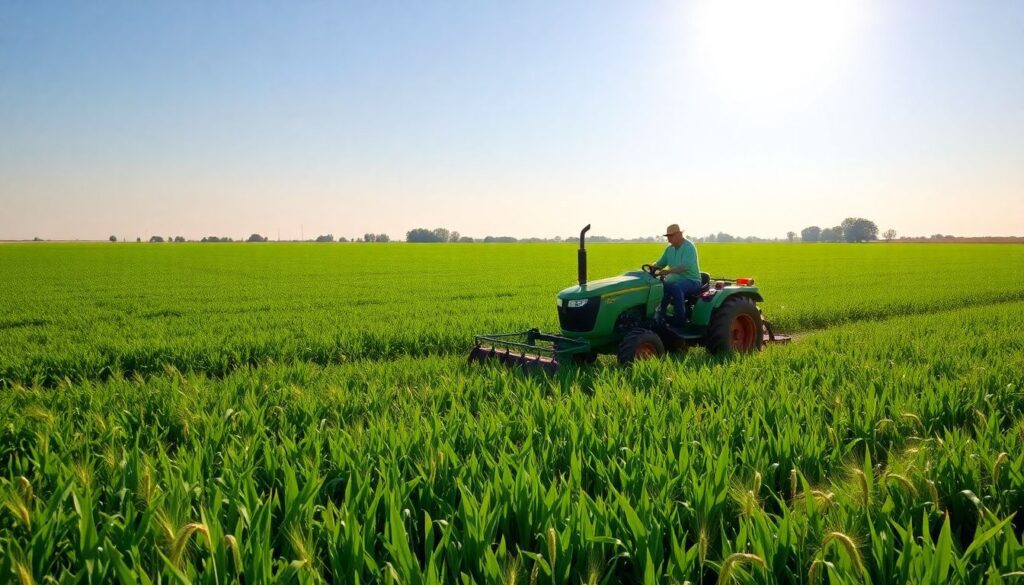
582	257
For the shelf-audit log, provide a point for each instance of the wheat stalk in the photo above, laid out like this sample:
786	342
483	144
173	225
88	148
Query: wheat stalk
903	481
851	549
997	467
737	559
181	541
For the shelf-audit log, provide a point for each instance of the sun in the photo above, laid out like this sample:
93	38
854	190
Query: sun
774	52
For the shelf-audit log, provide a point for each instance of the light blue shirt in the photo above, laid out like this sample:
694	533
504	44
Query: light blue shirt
685	256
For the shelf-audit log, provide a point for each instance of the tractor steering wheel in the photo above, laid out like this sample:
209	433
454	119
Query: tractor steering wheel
652	271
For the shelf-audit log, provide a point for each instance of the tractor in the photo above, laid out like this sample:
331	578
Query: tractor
622	316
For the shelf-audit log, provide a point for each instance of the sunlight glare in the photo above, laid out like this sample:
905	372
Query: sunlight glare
773	53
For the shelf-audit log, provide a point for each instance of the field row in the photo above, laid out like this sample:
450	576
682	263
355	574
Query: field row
888	452
93	311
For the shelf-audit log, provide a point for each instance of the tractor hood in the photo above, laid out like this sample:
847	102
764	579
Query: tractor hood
629	281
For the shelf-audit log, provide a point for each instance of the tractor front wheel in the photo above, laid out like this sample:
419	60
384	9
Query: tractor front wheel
640	344
735	326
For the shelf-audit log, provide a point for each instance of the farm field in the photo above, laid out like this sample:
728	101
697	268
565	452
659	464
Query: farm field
256	413
90	311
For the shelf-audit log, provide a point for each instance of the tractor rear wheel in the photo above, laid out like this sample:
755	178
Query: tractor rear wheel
735	326
640	344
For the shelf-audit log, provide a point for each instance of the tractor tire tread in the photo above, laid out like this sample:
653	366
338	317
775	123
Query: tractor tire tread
632	341
719	338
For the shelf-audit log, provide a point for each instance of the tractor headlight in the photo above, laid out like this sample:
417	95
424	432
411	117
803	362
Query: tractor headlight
577	303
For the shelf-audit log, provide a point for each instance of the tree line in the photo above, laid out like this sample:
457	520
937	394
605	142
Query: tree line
368	237
436	235
852	229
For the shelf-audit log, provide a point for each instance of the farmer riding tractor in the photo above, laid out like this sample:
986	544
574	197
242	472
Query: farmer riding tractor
621	315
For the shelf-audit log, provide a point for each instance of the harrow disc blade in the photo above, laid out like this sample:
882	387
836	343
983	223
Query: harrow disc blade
530	362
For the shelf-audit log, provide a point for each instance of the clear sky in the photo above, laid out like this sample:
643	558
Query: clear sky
523	118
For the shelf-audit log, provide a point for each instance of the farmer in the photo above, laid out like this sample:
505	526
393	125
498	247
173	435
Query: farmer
678	264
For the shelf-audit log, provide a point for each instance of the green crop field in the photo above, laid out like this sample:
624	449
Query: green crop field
300	413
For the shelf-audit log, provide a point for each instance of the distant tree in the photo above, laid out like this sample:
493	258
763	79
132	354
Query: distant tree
499	240
858	229
37	239
724	237
343	239
832	234
889	235
156	239
466	240
112	238
369	237
811	234
138	240
791	236
325	238
442	234
453	237
422	235
383	238
256	238
179	239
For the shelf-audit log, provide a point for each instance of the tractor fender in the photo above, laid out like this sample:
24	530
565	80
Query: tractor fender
721	296
706	306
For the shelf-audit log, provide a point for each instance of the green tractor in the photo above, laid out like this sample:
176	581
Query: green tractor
622	316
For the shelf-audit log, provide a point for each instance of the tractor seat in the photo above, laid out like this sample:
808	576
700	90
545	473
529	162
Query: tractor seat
705	281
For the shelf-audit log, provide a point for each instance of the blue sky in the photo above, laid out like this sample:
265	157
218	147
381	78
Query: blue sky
526	119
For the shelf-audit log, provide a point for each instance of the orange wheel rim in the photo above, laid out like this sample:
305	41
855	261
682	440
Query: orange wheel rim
742	332
645	350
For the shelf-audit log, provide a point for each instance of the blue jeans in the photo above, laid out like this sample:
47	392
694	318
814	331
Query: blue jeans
674	293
